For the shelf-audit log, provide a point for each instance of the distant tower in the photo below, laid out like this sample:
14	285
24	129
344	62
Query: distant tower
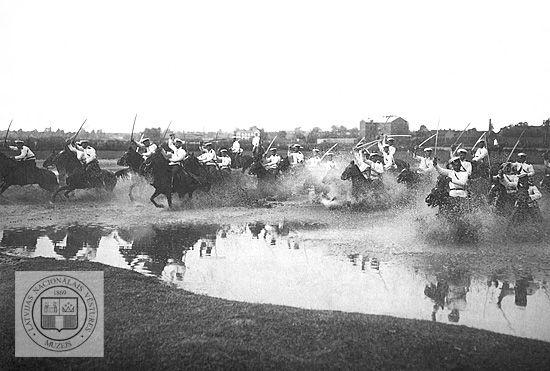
490	126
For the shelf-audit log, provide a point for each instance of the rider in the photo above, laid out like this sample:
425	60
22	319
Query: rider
376	162
507	178
224	160
522	168
256	144
458	180
150	148
273	161
209	157
25	157
426	161
295	155
316	159
87	155
236	146
175	157
389	161
466	165
481	152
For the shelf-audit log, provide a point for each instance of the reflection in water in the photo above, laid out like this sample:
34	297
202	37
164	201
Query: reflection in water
285	264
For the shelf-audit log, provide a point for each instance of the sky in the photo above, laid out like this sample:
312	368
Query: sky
209	65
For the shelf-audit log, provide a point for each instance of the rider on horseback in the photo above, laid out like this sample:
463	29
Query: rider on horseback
295	155
175	158
150	148
225	160
86	154
25	158
458	180
522	168
209	157
273	160
466	165
426	161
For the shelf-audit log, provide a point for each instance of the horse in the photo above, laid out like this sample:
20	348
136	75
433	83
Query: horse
525	209
157	169
15	173
502	201
359	184
406	175
77	177
134	161
50	161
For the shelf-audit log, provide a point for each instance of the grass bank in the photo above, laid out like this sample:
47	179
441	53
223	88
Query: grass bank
149	325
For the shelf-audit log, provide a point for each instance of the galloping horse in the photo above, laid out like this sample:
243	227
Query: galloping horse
157	170
51	161
134	161
359	184
77	177
15	173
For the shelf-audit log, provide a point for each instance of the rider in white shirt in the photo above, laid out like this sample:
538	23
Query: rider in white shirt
481	152
25	153
426	161
458	177
273	160
466	165
295	155
236	146
523	168
225	160
150	148
209	157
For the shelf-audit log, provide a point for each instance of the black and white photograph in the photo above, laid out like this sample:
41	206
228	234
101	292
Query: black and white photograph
274	185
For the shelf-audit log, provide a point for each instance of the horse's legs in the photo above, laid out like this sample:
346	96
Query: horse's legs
5	185
153	196
60	189
169	198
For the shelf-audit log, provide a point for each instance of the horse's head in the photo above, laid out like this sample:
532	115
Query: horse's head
51	159
351	171
130	158
193	165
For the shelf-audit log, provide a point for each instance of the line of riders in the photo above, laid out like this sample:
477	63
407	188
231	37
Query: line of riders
170	169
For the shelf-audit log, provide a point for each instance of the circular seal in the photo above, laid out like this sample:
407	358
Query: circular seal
59	313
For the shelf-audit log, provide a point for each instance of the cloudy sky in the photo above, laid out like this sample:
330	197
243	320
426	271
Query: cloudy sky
277	64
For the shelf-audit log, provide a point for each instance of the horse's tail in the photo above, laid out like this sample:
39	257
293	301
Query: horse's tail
123	174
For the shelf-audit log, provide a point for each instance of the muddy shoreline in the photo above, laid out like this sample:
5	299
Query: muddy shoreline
187	330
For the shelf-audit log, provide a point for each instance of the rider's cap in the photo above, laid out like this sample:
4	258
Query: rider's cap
178	140
462	150
207	144
428	149
315	150
19	141
273	149
386	145
82	141
145	139
330	154
391	139
223	150
296	146
170	260
521	154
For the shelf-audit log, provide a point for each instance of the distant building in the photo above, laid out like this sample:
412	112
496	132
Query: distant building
247	134
337	140
371	129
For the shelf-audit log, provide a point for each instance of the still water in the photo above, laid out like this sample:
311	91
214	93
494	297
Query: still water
287	264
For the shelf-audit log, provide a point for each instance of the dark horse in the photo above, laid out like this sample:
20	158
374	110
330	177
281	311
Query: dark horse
190	177
15	173
359	184
50	161
134	161
77	177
